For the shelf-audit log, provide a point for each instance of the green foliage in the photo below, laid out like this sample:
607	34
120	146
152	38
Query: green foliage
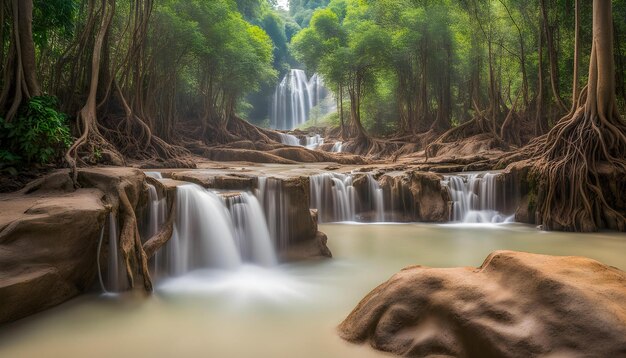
38	135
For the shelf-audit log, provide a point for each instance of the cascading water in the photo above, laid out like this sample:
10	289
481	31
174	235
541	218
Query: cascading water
336	199
474	198
314	142
250	229
114	269
203	234
155	175
289	139
156	217
334	196
274	201
295	97
337	147
213	230
376	198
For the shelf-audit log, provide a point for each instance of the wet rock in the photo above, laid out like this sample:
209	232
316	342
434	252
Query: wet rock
315	248
515	305
217	181
415	196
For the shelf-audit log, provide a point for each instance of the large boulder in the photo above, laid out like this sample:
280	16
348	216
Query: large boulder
514	305
49	234
416	196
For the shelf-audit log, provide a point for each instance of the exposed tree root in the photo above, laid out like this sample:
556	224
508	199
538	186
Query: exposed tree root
130	242
156	242
575	160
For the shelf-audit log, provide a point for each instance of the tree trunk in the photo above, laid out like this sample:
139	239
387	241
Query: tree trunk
554	71
20	73
587	149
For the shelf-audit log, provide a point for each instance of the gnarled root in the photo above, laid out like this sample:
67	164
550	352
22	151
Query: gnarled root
130	241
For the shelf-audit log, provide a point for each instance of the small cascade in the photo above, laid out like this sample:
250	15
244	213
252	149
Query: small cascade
289	139
216	230
337	147
334	196
114	270
156	217
314	142
274	202
250	228
296	98
155	175
474	198
376	198
203	233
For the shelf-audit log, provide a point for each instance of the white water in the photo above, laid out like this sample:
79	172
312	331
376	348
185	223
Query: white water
274	202
155	175
295	98
250	228
289	139
156	217
376	198
337	147
474	198
114	270
334	197
314	142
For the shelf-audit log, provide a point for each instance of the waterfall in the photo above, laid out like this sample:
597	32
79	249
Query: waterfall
376	198
314	142
337	147
295	97
217	230
474	198
156	217
114	270
155	175
289	139
334	197
250	229
274	202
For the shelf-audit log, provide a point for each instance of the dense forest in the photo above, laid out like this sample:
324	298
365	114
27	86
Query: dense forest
88	82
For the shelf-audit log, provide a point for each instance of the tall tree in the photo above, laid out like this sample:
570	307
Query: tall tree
586	146
19	77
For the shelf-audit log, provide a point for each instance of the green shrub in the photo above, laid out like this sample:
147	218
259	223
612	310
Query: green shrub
39	134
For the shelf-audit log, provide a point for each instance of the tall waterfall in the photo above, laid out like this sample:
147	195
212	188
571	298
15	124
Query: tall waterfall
295	98
474	198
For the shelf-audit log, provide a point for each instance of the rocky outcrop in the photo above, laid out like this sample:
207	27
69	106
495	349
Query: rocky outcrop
49	234
514	305
415	196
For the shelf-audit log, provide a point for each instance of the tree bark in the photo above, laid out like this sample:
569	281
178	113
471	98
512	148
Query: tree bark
20	73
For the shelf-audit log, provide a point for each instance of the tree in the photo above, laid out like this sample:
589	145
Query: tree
575	154
19	74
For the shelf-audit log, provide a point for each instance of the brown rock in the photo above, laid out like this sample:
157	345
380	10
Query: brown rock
48	253
514	305
49	233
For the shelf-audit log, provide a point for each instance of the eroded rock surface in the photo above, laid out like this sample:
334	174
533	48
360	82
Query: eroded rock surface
49	234
514	305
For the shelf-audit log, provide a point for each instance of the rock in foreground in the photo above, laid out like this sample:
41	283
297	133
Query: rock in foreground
514	305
